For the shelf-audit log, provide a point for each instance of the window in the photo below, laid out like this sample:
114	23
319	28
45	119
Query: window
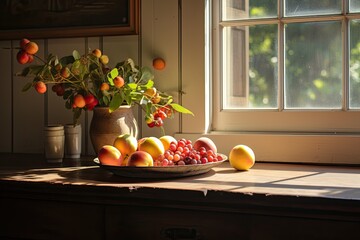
289	68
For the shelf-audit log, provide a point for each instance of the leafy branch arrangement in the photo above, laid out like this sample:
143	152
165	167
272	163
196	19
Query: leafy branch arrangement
85	81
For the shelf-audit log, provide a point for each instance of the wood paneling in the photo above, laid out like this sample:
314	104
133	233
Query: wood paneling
25	114
6	97
160	38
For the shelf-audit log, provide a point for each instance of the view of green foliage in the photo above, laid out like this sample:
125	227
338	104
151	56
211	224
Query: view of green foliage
313	58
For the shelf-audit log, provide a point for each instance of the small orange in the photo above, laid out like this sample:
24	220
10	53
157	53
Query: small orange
31	48
40	87
79	101
119	82
159	63
104	87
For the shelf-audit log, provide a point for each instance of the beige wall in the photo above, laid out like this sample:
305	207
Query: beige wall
167	31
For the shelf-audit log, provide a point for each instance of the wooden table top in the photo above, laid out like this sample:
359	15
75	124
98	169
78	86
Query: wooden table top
335	182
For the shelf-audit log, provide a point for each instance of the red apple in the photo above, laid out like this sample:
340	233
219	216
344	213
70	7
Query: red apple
205	142
140	159
23	42
90	101
109	155
40	87
22	57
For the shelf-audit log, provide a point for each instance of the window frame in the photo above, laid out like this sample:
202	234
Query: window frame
320	118
316	142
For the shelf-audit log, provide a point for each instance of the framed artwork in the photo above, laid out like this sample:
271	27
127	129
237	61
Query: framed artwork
67	18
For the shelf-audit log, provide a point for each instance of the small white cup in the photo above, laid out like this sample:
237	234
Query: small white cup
54	141
72	141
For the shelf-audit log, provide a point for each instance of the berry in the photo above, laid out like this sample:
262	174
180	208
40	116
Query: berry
183	153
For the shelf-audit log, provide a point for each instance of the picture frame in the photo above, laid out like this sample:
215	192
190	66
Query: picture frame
68	18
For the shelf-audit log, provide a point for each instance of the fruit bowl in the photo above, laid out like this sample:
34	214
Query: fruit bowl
161	172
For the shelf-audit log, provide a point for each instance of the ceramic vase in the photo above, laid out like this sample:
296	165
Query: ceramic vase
106	126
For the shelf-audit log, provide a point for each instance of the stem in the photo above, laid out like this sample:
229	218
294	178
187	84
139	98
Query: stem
39	58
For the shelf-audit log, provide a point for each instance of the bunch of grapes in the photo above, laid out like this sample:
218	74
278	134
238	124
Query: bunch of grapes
183	153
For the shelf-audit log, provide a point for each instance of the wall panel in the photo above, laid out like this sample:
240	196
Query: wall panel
192	65
28	110
160	38
6	97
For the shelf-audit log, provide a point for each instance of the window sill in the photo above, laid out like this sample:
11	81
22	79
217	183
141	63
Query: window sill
318	148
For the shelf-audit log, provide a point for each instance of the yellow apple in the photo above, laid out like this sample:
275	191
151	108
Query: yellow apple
151	145
242	157
140	159
110	155
166	140
126	144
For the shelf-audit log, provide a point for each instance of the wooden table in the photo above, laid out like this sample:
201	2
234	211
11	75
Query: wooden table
79	200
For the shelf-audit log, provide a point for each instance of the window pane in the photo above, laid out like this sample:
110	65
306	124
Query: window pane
354	6
250	67
312	7
244	9
354	64
313	65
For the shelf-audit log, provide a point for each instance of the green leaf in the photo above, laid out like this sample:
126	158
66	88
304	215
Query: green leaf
67	94
149	84
115	102
111	75
31	70
24	72
181	109
132	86
66	60
76	55
27	87
114	73
146	74
77	114
132	65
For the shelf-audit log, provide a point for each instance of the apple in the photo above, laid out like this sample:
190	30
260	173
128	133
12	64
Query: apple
23	42
104	59
109	155
31	48
126	144
151	145
242	157
97	53
79	101
205	142
90	101
40	87
167	140
65	72
118	82
22	57
140	159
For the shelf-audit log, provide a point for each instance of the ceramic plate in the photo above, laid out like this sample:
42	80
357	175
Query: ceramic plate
161	172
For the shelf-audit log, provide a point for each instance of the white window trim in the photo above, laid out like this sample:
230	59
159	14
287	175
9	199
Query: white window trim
334	147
